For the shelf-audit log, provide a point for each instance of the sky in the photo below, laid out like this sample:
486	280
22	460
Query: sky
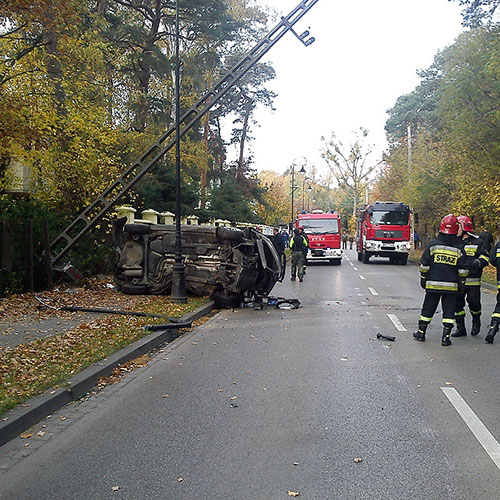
365	56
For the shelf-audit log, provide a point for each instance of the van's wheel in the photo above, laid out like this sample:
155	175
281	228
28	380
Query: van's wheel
137	228
224	299
134	289
230	233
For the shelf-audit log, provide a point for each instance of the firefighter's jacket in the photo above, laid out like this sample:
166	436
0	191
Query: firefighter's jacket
495	260
475	249
443	267
298	243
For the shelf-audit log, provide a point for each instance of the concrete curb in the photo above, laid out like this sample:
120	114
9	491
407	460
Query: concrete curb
22	418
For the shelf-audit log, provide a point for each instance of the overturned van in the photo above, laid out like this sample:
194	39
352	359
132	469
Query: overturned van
232	265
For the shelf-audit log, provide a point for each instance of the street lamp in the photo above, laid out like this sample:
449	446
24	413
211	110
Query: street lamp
178	293
309	191
293	187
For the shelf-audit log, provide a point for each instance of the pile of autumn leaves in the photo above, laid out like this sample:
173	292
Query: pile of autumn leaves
29	369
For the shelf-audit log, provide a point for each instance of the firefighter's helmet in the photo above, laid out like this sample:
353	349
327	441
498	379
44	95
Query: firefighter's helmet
466	223
449	224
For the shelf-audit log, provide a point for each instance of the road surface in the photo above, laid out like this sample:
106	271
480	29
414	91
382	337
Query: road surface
264	404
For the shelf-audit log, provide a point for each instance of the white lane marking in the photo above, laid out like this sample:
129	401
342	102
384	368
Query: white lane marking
355	268
361	277
347	258
351	264
481	433
373	291
395	320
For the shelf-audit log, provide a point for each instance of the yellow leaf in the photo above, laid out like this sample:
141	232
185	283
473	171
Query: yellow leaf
293	493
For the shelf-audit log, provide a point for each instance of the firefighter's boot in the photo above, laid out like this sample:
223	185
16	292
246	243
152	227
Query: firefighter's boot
420	333
445	339
476	325
460	331
492	330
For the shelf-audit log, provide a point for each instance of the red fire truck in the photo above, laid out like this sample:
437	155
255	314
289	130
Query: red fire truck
384	230
323	231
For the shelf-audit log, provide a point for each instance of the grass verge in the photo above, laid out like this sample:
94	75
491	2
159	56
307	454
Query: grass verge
30	369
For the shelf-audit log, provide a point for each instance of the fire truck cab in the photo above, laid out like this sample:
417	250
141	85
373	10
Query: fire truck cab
384	230
323	231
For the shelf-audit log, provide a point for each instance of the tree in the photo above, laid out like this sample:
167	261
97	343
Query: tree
476	12
349	164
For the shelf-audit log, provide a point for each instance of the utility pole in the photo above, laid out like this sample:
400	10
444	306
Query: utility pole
409	154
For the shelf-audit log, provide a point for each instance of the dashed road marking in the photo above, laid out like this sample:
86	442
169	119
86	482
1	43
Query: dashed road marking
481	433
361	277
354	268
372	291
395	320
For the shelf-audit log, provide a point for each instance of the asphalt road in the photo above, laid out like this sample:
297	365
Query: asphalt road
254	404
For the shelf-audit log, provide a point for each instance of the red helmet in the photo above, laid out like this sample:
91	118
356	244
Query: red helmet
449	224
466	223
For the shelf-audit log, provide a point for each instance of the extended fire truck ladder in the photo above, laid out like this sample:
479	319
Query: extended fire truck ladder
94	213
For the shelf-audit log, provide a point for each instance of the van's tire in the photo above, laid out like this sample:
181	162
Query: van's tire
230	233
134	289
224	300
137	228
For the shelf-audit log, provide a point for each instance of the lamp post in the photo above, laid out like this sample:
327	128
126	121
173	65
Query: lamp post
178	293
293	187
304	192
309	190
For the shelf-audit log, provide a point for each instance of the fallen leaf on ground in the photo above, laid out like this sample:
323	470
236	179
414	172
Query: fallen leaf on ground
293	493
165	396
358	460
448	383
26	435
180	479
115	488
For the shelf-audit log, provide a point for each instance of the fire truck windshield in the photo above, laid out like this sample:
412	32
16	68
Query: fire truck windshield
320	226
394	217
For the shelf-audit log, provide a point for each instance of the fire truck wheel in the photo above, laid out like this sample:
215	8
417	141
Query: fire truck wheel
403	260
366	257
360	256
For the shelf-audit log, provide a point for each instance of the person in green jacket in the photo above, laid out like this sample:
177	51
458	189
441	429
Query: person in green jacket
297	245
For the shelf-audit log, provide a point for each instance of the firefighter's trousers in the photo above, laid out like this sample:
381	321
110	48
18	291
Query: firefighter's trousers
431	301
496	312
473	296
298	264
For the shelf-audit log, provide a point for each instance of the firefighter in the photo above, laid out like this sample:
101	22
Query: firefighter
298	244
442	274
495	317
476	259
304	234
